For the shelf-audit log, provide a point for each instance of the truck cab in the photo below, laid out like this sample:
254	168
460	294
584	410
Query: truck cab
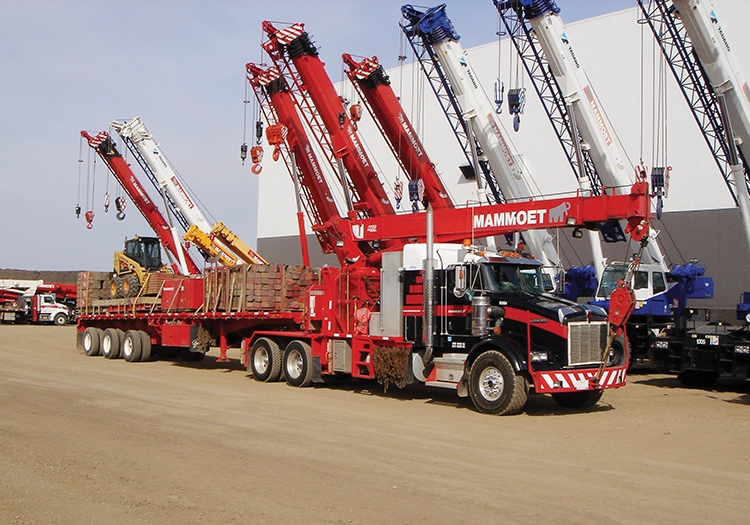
42	308
495	324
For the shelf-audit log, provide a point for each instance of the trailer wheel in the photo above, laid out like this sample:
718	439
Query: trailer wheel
265	360
298	364
61	319
91	339
494	386
145	346
585	399
131	346
111	344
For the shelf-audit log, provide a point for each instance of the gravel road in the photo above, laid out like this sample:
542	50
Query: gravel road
84	440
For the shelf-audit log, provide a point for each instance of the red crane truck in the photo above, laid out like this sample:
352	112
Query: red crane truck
477	323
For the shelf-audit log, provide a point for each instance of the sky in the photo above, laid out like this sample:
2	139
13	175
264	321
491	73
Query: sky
67	66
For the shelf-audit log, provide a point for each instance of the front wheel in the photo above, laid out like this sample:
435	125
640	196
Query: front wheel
585	399
298	364
61	319
494	387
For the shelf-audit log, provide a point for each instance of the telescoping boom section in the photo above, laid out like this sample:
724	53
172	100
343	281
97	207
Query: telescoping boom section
216	240
105	148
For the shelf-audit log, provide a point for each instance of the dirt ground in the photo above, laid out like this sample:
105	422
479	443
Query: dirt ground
84	440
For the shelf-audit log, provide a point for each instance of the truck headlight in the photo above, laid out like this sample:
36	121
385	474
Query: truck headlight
742	349
661	345
537	357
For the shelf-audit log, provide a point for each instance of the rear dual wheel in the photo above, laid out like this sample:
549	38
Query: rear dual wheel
265	360
298	364
136	346
91	340
112	343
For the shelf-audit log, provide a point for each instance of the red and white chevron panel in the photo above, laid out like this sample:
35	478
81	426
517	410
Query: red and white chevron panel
269	75
571	381
100	137
366	67
284	36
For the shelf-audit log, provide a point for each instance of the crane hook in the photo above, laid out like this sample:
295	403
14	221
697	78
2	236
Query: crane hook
89	219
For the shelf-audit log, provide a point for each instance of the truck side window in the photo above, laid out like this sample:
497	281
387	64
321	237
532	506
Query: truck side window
640	280
659	284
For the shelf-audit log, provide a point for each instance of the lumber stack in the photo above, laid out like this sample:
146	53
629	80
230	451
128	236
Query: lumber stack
92	286
253	287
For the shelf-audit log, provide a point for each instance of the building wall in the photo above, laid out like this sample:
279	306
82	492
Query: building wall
700	220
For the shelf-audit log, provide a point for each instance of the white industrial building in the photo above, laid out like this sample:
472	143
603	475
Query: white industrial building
624	67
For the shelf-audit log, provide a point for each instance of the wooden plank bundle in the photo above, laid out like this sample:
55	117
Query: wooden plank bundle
252	287
92	286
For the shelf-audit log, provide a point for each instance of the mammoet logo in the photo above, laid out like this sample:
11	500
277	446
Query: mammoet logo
182	192
410	134
597	115
501	140
358	230
358	147
140	190
555	215
315	167
509	218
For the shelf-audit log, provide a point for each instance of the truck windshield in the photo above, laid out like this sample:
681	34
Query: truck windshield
615	272
509	278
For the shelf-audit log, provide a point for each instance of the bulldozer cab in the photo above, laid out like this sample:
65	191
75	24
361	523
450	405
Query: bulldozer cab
146	251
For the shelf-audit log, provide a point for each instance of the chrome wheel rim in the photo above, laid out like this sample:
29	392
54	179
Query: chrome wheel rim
491	383
294	364
260	360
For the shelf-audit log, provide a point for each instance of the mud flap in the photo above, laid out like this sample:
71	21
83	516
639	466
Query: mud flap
200	339
317	371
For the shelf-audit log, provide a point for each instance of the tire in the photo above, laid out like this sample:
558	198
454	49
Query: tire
111	343
131	285
265	360
91	340
494	387
298	364
145	346
60	320
585	399
617	354
131	346
115	287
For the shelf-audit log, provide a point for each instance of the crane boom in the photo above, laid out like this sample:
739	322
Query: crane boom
538	34
217	240
102	143
301	160
346	144
372	83
701	59
436	32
